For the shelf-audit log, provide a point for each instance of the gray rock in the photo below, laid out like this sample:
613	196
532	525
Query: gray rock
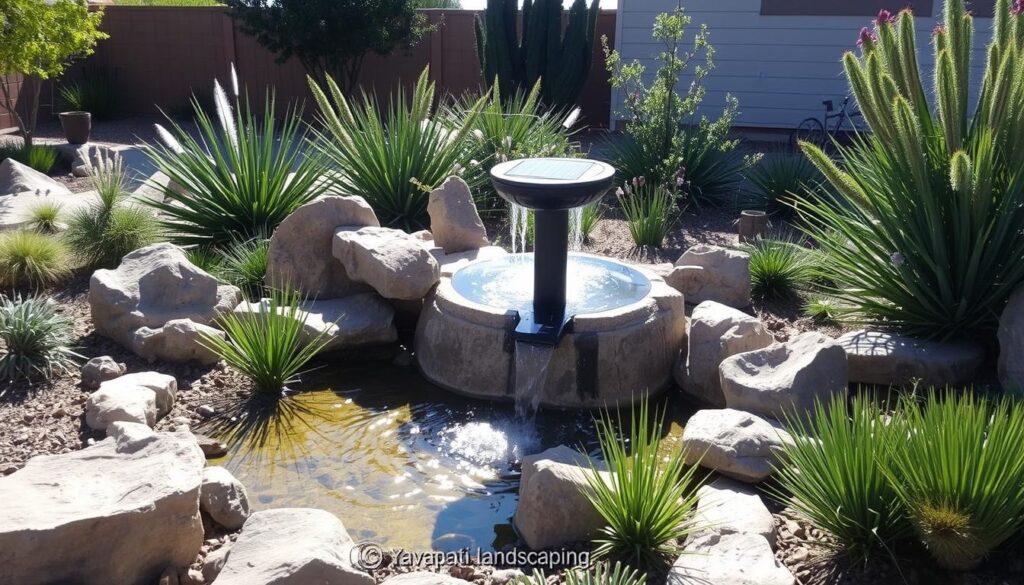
727	507
214	562
454	221
300	249
120	511
223	498
1011	343
395	264
712	273
99	370
716	332
212	448
729	559
785	378
355	321
552	508
18	178
178	341
423	578
734	443
165	388
292	546
882	358
125	403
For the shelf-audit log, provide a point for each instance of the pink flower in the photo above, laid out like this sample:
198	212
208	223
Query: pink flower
1017	7
938	30
884	16
866	37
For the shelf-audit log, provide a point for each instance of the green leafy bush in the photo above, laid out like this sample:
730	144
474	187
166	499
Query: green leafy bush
649	211
779	267
31	259
269	348
239	179
244	264
35	338
648	498
392	158
958	469
931	202
40	158
776	179
43	217
105	232
835	475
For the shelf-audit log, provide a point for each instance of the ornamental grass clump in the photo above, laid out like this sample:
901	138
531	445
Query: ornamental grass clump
646	497
777	179
780	267
32	260
244	264
650	211
957	467
240	178
35	340
43	217
394	156
931	201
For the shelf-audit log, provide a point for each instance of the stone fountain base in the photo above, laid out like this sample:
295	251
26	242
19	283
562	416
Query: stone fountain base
611	358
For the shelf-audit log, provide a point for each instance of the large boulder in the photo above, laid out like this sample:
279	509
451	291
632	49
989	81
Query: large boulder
874	357
727	507
124	403
728	559
716	332
18	178
164	387
395	264
223	498
1011	343
359	320
154	285
179	340
454	220
785	378
553	509
300	248
712	273
734	443
117	512
292	546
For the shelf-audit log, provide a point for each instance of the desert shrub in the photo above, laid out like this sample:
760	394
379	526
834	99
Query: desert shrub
43	217
958	469
103	233
244	264
822	310
649	210
240	178
599	574
592	213
40	158
835	476
97	93
648	499
30	259
269	348
35	338
931	201
780	267
776	179
206	259
392	157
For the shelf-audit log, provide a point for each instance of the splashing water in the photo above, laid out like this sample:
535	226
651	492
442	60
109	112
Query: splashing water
519	220
576	229
531	373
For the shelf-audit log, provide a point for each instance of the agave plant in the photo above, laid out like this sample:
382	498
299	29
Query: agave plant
777	179
240	178
780	267
392	158
36	340
599	574
932	201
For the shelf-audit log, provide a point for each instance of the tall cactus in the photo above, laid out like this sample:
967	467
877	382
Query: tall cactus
561	62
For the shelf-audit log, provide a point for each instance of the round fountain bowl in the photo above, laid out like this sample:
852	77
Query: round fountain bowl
628	329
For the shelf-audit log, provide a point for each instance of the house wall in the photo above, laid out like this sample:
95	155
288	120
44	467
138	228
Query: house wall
780	67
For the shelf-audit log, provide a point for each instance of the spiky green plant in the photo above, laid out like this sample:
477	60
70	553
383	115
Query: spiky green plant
270	348
35	339
240	178
650	211
392	158
208	260
43	217
777	178
932	201
244	264
646	498
31	259
780	267
958	469
39	157
835	475
599	574
592	214
823	310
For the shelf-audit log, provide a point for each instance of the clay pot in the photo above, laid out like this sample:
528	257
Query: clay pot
77	126
752	224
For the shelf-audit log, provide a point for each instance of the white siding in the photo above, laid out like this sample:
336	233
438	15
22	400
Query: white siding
780	67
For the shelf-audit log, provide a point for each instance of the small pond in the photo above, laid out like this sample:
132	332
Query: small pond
403	463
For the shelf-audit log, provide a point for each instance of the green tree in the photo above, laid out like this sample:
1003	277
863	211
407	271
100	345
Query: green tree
38	39
330	37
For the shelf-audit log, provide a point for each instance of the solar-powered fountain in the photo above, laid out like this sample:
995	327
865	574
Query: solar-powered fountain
551	328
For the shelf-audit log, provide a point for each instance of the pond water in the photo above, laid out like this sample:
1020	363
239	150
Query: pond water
403	463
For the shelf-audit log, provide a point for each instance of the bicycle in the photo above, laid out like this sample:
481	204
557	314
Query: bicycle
816	131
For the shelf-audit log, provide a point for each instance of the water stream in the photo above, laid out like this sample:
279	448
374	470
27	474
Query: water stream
530	374
519	226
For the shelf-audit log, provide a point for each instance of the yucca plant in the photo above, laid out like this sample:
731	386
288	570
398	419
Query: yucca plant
780	267
650	211
43	217
35	339
269	348
240	178
932	202
31	259
591	214
777	178
958	469
244	264
647	497
835	475
392	157
598	574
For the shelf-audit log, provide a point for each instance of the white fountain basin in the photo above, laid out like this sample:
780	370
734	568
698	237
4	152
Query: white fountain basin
628	330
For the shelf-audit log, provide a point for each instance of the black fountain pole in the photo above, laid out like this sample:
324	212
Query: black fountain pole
550	260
